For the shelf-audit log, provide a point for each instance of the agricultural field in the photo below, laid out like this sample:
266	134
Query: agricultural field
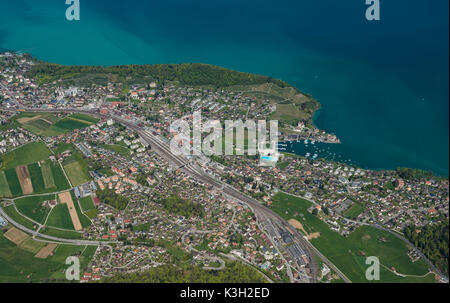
60	217
47	175
48	124
84	220
24	179
19	265
37	178
24	155
13	182
4	186
32	207
348	253
60	179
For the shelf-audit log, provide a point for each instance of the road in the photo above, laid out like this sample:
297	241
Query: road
51	238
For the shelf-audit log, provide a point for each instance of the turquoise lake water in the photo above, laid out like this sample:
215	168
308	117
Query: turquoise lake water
383	85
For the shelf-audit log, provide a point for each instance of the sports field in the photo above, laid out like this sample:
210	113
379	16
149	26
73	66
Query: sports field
76	173
349	253
87	203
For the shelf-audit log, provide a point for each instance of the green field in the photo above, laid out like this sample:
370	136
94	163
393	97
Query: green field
32	207
76	173
14	215
87	204
119	149
36	178
85	222
347	252
13	182
50	125
4	186
60	179
354	211
47	174
24	155
60	217
65	234
86	118
68	125
19	265
31	245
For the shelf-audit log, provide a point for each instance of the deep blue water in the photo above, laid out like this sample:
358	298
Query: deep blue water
383	85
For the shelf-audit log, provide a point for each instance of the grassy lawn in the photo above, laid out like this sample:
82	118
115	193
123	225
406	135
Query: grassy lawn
4	186
24	155
32	207
347	252
354	211
60	217
119	149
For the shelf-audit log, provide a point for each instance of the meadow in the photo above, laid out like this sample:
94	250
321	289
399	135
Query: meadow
4	186
32	207
19	265
349	253
24	155
60	217
48	124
